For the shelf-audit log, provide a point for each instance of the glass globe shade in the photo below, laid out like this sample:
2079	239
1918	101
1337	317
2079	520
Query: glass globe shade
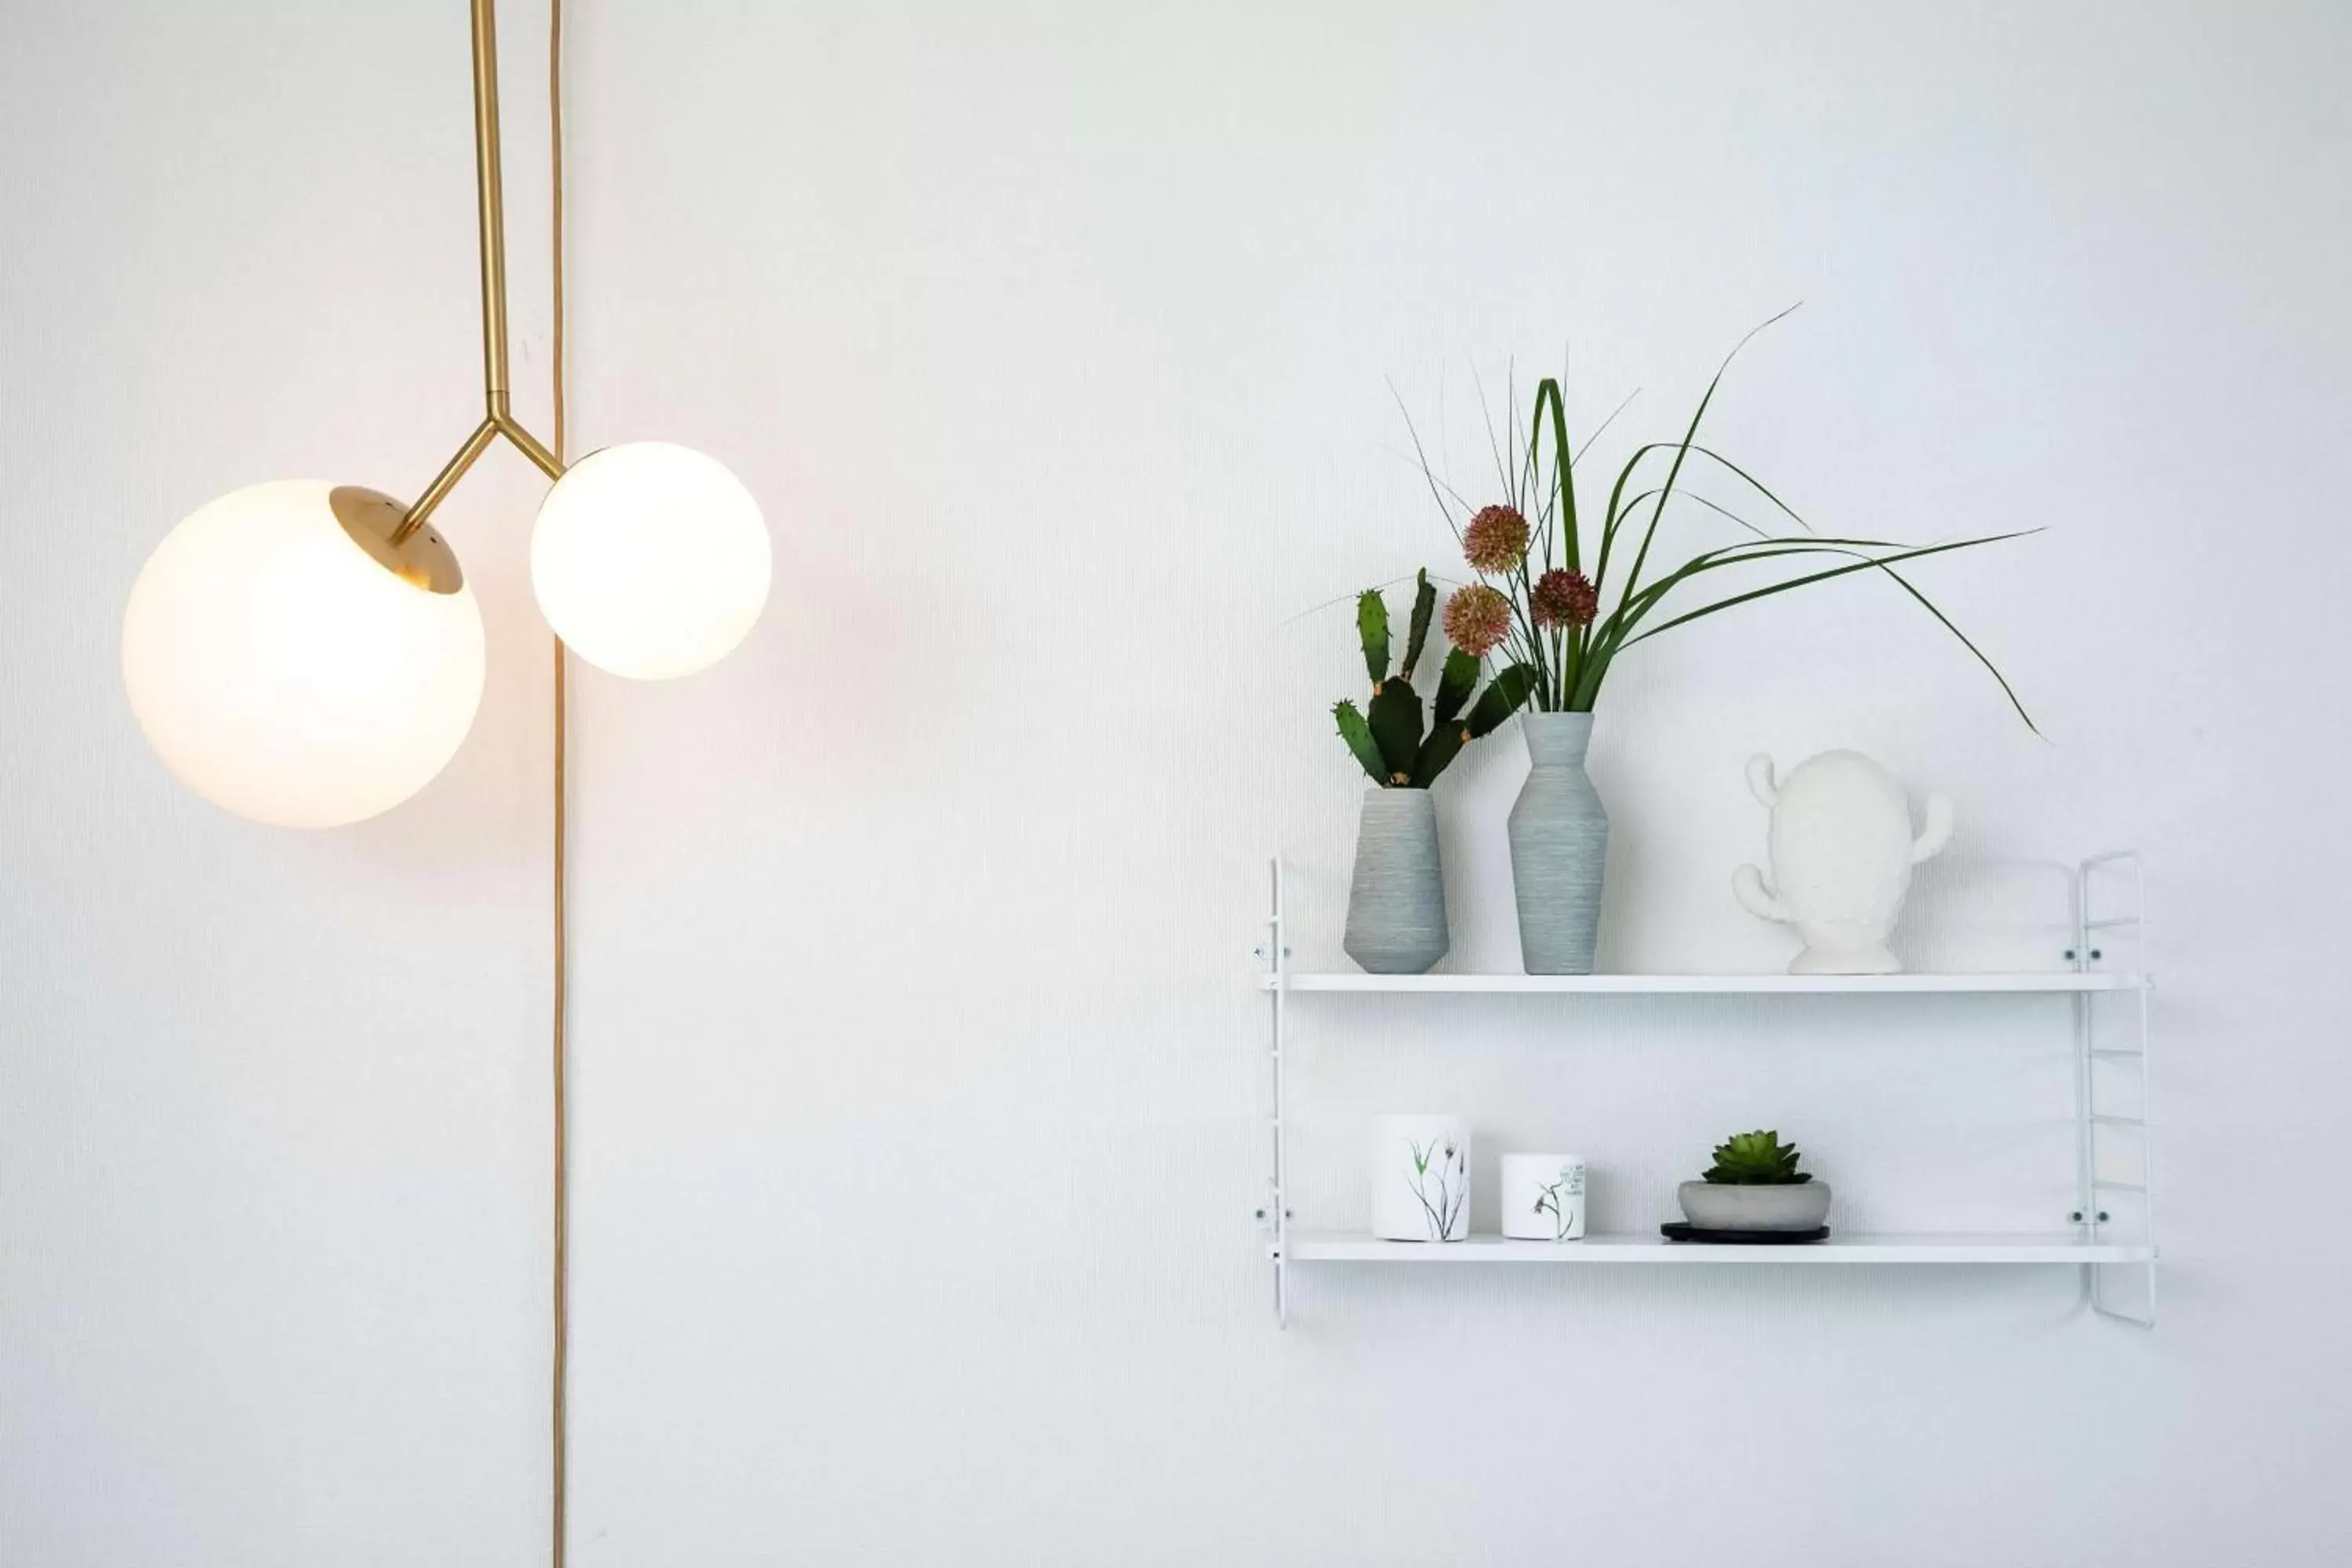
284	672
650	559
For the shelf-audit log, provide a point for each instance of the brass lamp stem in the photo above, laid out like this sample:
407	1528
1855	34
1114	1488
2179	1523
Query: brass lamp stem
491	215
492	204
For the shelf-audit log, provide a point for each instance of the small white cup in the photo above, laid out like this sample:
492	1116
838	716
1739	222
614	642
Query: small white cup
1543	1198
1421	1178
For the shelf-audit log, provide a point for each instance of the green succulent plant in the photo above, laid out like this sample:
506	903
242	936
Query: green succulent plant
1387	735
1756	1159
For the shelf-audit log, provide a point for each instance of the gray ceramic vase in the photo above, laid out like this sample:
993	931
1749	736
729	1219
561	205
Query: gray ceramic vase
1396	903
1560	845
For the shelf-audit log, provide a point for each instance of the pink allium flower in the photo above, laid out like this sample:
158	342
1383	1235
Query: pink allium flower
1563	598
1477	619
1497	539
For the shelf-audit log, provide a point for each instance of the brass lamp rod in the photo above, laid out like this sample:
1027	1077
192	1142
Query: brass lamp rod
491	218
496	419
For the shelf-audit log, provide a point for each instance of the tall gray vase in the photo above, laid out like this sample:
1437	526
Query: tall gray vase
1560	845
1396	902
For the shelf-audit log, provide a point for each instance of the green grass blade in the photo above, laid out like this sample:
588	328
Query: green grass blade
1436	492
1727	512
2006	690
1563	465
1603	428
1747	551
1617	515
1929	605
1682	452
1833	547
1869	564
1755	484
1613	632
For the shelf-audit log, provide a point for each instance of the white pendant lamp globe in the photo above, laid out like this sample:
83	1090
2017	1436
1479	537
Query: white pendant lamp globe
292	665
650	559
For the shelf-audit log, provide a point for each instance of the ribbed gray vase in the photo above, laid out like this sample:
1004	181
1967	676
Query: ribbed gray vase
1396	902
1560	845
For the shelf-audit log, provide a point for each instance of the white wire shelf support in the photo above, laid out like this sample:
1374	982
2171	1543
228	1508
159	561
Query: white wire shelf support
1273	1214
2107	1139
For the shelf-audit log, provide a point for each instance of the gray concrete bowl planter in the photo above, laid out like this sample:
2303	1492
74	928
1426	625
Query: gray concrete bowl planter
1784	1206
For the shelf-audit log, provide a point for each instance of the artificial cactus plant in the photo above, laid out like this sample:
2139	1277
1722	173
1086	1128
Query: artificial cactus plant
1756	1159
1387	735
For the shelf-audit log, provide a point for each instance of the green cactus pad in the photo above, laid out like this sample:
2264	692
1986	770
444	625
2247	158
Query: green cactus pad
1372	626
1444	744
1455	682
1359	736
1396	726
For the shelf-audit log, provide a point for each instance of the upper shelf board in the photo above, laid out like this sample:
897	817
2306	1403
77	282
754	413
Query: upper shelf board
2064	981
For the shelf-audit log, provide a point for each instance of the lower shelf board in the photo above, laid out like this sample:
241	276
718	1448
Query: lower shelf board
1346	1247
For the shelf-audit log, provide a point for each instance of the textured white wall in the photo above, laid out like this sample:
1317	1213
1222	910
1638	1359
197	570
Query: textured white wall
920	1096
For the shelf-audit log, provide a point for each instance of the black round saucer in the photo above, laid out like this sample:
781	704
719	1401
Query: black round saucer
1677	1230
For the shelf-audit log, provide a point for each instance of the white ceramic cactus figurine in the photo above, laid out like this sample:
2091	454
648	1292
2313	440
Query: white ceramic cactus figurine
1841	851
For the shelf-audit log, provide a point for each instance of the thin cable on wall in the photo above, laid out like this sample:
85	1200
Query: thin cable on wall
559	1431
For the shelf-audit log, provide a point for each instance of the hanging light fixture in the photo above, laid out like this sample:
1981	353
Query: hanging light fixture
308	654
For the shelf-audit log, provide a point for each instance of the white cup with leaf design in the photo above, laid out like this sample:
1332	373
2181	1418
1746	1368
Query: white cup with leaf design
1543	1198
1421	1178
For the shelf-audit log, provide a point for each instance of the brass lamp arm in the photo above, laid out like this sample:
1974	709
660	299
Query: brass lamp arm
492	221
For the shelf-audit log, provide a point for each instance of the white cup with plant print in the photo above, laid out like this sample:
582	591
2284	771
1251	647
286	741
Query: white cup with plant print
1543	1198
1421	1178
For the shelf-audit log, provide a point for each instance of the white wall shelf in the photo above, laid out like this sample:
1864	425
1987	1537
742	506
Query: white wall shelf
2096	1242
2065	1248
2064	982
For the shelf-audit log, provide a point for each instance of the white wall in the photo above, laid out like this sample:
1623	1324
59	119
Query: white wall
921	1089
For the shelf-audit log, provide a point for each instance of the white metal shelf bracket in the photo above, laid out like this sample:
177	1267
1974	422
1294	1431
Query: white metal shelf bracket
1275	1218
2094	1191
